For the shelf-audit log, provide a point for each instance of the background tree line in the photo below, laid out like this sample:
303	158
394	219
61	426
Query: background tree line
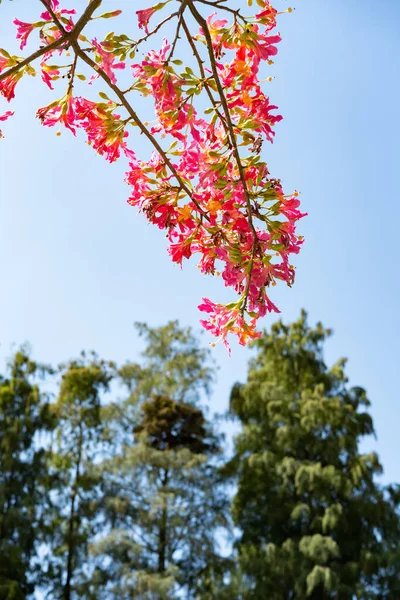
118	485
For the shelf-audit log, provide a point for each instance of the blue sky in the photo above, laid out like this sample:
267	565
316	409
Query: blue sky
79	266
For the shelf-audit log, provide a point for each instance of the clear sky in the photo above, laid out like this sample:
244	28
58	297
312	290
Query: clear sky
79	266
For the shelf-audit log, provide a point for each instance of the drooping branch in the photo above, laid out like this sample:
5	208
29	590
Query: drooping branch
204	78
210	180
203	24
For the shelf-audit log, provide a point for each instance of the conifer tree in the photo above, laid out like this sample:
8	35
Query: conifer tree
163	497
76	446
24	415
315	524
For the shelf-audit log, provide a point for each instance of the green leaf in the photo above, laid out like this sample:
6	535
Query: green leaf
109	15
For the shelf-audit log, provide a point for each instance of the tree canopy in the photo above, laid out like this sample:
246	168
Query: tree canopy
118	485
314	520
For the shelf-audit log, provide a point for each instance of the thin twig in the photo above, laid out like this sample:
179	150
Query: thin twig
204	78
156	29
71	74
80	24
226	8
56	20
66	37
178	27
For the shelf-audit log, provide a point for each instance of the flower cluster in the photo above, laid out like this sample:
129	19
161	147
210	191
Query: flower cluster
206	183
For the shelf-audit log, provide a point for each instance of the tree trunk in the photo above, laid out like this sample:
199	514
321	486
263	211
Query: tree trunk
162	535
71	525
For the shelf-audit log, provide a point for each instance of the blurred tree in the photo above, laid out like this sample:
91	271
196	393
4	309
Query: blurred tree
24	415
314	522
74	492
163	497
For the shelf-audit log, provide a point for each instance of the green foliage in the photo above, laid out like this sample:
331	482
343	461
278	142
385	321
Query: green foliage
174	365
24	415
73	493
169	425
163	499
314	522
128	498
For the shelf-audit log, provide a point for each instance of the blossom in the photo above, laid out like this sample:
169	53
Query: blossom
214	27
179	251
105	131
61	112
144	17
106	63
221	320
4	117
55	7
3	63
49	74
225	319
23	31
289	208
7	85
264	46
205	184
267	15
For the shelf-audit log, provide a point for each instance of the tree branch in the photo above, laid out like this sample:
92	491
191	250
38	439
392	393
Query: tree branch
204	78
203	24
66	37
53	46
178	27
222	7
135	118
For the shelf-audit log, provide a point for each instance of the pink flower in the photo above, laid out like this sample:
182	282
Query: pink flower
3	63
179	251
265	46
139	182
105	130
7	85
144	17
106	63
48	75
267	15
55	7
4	117
61	112
228	319
289	208
23	31
221	319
